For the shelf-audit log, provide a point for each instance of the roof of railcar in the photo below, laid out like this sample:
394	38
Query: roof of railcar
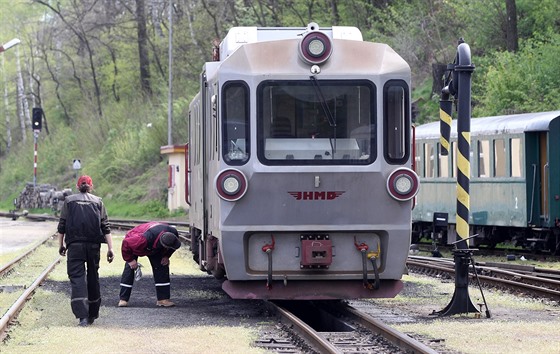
509	124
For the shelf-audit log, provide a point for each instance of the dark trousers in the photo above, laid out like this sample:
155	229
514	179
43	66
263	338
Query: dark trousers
161	279
83	271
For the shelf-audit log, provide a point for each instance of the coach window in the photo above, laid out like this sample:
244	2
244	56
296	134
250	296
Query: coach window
418	161
483	158
443	165
516	157
500	167
429	159
235	123
395	96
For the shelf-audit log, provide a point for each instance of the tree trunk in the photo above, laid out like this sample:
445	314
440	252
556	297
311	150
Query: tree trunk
24	117
438	73
143	48
334	12
7	111
511	26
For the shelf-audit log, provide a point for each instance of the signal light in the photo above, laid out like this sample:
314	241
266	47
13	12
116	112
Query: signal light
231	185
37	119
403	184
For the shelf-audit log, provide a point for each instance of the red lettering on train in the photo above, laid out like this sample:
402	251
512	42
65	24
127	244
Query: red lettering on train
317	195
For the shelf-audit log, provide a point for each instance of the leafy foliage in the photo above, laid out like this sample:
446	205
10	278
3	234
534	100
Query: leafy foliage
80	61
527	81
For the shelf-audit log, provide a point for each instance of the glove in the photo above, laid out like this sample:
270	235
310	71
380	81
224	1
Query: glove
110	256
62	251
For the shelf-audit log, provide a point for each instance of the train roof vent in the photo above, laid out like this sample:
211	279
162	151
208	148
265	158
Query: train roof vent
347	32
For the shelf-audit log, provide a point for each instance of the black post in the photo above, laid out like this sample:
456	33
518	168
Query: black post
459	85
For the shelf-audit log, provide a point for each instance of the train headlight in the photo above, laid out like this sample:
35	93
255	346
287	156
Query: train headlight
403	184
231	184
315	47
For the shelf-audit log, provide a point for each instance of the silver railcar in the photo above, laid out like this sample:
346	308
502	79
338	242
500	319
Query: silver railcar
299	178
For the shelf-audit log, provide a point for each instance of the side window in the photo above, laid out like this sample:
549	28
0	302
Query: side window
516	157
397	121
500	168
419	161
235	123
443	165
430	159
483	158
454	156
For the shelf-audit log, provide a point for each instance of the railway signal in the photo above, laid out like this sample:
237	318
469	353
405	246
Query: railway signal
36	125
458	85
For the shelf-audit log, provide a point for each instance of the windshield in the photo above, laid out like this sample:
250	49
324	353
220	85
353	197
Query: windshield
316	122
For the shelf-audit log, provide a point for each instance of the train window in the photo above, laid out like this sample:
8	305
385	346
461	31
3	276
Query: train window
235	123
395	96
316	122
443	164
500	168
430	159
453	153
483	158
516	157
419	162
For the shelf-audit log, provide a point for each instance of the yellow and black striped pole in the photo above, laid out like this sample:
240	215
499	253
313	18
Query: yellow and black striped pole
459	85
463	71
445	107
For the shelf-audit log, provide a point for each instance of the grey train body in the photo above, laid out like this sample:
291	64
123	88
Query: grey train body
299	165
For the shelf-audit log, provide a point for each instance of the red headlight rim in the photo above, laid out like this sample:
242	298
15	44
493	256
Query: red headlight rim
312	58
393	178
239	176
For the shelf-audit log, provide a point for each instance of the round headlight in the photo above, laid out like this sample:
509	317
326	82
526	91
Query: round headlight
403	184
315	47
231	184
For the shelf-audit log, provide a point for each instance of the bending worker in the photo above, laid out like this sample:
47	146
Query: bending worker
158	241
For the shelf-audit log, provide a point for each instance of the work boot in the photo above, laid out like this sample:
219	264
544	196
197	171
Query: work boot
165	303
90	320
83	322
123	303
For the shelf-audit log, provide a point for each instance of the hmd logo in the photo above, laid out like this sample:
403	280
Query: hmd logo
316	195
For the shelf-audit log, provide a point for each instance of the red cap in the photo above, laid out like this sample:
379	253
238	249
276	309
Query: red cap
84	180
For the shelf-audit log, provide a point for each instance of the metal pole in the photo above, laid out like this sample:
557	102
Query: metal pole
170	69
35	138
463	71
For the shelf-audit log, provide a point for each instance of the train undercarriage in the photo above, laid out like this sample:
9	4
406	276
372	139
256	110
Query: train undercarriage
537	240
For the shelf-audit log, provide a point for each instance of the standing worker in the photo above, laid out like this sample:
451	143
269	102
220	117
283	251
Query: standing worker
83	226
158	241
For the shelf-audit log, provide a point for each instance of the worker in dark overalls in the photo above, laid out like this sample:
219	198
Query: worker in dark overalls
82	228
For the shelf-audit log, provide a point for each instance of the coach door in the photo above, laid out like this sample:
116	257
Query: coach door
544	178
538	178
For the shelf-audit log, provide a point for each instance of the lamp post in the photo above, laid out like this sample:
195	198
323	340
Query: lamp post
10	44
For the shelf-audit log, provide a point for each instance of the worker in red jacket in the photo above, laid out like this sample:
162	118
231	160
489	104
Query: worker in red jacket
158	241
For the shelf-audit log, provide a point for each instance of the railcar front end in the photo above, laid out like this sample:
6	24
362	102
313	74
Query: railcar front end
300	186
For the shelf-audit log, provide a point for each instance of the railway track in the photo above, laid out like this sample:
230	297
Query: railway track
25	290
517	278
335	327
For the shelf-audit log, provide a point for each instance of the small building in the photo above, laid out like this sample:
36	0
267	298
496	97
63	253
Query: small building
176	182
